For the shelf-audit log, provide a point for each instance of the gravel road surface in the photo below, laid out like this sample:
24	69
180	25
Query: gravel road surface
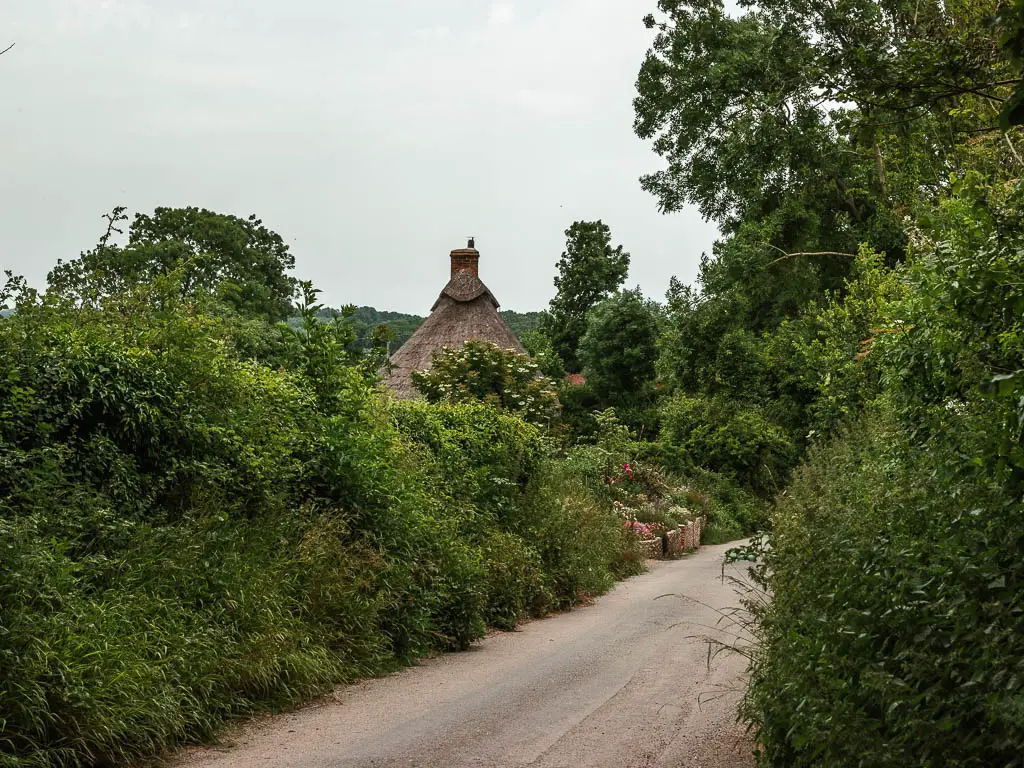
624	682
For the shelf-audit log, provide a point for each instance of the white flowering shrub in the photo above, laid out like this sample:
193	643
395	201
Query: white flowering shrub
480	371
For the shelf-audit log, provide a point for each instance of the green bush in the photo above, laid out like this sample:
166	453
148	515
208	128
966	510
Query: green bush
582	543
546	526
154	421
732	510
516	583
187	625
483	372
484	458
188	536
895	635
725	437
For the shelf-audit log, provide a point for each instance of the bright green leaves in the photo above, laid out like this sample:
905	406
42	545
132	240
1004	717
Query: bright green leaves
727	437
894	627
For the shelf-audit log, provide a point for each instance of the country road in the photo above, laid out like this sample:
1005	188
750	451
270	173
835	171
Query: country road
624	682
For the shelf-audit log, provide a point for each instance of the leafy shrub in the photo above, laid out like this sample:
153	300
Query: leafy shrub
484	458
154	420
725	437
188	536
481	371
543	353
516	583
578	535
894	636
821	366
106	657
894	566
503	493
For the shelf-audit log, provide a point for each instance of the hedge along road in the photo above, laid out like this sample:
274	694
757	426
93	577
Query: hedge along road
623	682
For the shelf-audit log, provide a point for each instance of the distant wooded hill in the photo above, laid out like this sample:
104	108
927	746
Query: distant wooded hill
365	319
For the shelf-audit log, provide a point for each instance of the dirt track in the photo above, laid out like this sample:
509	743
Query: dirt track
624	682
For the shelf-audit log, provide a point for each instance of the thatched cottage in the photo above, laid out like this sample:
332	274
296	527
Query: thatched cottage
466	309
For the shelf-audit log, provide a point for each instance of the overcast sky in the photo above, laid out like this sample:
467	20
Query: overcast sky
373	136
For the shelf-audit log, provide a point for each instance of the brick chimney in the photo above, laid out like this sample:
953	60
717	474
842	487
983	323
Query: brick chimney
466	258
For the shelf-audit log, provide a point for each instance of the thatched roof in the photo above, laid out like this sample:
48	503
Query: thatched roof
466	309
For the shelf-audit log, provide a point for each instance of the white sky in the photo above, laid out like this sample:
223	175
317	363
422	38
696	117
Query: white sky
373	136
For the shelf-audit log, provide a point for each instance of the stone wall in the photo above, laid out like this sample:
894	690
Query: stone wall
685	538
651	548
674	542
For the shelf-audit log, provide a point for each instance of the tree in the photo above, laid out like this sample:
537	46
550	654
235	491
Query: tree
619	348
590	269
806	130
481	371
782	98
539	345
238	261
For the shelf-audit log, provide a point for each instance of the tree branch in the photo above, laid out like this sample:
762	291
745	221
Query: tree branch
880	169
786	256
1013	150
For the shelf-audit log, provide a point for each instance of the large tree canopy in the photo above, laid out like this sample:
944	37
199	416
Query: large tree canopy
806	129
237	260
783	98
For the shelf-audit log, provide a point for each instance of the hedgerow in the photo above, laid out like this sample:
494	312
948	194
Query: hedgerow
895	631
189	536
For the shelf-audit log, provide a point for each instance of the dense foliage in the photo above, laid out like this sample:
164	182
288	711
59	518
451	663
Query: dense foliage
192	532
859	320
617	353
206	511
589	270
483	372
238	260
901	536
